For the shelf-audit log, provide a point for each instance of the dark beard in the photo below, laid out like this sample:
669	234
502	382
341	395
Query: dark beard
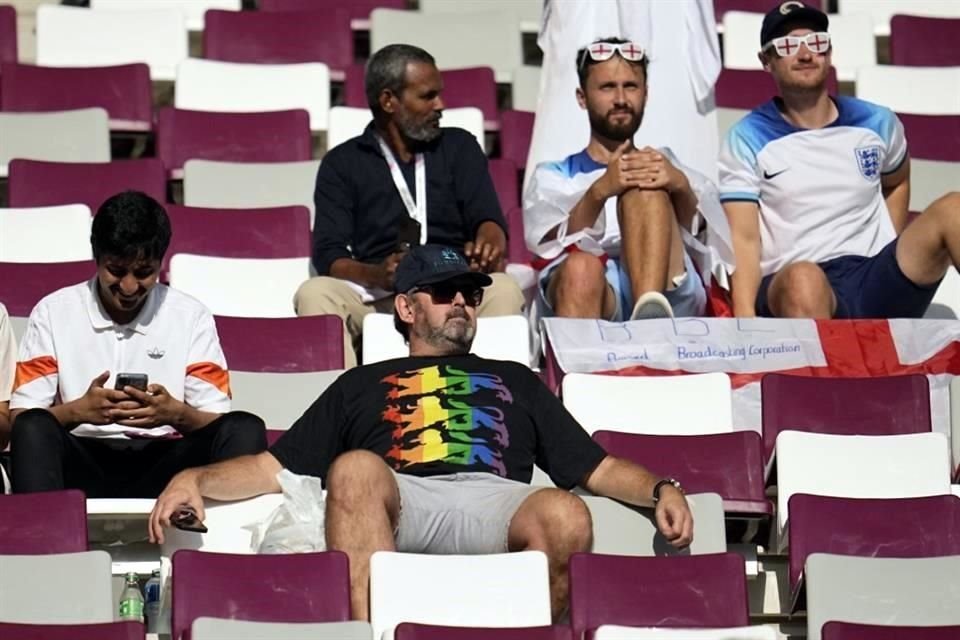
619	132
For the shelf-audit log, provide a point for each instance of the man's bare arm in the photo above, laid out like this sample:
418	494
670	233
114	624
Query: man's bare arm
235	479
896	192
744	220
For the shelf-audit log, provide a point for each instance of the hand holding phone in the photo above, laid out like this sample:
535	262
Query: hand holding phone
185	519
135	380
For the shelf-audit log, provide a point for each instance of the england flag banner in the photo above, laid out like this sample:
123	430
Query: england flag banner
747	349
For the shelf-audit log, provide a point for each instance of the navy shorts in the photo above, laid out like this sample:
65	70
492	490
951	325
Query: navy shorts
867	287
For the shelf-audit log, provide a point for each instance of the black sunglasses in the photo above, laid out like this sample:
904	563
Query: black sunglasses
445	292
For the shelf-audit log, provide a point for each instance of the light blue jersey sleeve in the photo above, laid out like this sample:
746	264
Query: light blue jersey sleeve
739	172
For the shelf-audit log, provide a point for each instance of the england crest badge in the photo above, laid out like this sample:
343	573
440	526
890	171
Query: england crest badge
868	160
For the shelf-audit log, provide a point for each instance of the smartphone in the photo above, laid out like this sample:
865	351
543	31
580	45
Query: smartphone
408	236
185	519
135	380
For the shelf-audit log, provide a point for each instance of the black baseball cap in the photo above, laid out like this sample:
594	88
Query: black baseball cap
433	263
788	14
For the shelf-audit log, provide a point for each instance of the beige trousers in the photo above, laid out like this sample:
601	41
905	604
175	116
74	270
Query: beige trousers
326	295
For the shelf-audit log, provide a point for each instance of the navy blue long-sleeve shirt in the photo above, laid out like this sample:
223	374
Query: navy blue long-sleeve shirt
359	211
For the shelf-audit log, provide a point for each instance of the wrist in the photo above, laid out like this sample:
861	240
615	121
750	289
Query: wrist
665	485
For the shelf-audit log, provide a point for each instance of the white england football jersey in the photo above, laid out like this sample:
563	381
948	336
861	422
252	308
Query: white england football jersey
818	189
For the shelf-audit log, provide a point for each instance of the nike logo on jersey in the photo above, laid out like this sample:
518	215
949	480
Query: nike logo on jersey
771	176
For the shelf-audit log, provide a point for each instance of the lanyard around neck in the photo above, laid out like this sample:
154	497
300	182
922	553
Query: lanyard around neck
416	210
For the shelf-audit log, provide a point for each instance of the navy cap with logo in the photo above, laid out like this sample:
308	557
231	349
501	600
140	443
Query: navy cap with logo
788	14
433	263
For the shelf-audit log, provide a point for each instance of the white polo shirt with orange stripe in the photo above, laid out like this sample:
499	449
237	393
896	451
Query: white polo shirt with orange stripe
70	340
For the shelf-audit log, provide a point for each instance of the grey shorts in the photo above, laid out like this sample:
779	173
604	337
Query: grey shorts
462	513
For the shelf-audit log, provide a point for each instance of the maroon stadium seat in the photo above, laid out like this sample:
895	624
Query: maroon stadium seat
275	232
102	631
282	345
679	591
728	464
884	405
273	136
516	131
852	631
280	37
298	587
749	88
354	93
359	9
411	631
932	137
917	41
40	523
23	284
877	528
8	34
34	183
505	178
124	91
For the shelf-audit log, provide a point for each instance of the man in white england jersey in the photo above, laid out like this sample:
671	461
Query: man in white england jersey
816	190
608	218
77	424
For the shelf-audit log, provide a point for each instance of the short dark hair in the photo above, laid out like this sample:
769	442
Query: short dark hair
387	69
131	226
584	61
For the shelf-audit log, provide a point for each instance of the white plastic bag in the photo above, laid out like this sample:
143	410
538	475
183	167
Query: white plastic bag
297	525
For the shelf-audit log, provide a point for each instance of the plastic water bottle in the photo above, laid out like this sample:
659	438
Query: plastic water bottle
131	600
152	601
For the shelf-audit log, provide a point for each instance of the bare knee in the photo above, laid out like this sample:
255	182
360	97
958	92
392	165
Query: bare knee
583	272
555	521
642	199
360	478
946	206
801	290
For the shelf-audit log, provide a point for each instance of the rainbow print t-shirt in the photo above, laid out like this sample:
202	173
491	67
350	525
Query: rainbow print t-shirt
442	415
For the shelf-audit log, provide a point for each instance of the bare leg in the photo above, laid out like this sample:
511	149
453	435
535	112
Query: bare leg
363	506
651	246
579	289
931	243
801	290
558	523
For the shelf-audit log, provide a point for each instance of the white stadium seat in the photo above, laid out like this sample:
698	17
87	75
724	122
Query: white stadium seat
662	405
78	135
922	90
211	85
192	10
79	37
900	466
45	234
484	39
257	288
613	632
494	590
883	591
498	338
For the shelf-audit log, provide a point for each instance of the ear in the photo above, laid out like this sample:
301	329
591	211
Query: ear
763	60
404	307
581	98
388	101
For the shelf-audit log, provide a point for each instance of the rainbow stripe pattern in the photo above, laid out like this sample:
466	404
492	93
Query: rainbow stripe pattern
443	414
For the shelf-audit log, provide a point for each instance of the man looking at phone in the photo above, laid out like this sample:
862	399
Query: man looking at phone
434	453
405	181
121	381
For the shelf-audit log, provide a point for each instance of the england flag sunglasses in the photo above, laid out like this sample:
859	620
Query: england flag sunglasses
600	51
786	46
